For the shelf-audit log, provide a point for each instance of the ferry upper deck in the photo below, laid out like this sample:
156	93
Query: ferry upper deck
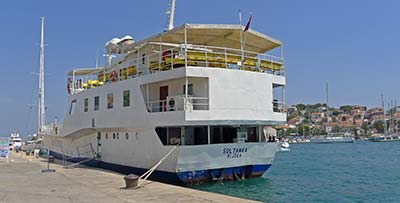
194	45
193	73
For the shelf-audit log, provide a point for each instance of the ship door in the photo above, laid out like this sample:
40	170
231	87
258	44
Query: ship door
163	98
99	144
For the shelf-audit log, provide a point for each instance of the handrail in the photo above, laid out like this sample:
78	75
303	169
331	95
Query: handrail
175	57
195	103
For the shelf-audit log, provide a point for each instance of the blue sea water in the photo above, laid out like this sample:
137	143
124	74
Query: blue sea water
353	172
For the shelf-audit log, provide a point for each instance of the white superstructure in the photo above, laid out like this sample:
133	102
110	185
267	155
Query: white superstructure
191	85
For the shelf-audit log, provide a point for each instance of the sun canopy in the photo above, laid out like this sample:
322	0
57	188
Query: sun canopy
215	35
84	71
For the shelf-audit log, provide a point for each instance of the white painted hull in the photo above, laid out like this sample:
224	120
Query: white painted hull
142	151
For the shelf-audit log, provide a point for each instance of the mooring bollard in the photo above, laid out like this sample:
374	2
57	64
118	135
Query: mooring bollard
131	181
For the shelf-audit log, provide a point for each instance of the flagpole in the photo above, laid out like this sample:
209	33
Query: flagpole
245	34
241	38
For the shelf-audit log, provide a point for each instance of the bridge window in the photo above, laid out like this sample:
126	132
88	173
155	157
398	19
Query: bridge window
126	98
190	89
86	104
96	103
110	101
72	107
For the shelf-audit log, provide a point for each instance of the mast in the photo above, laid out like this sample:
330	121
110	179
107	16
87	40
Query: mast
327	109
171	14
384	116
41	118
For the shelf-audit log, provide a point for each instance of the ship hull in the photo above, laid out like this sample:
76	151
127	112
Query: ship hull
195	177
186	165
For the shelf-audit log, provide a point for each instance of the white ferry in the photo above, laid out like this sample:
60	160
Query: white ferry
14	142
196	91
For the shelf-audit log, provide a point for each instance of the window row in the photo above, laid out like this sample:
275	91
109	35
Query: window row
114	136
96	102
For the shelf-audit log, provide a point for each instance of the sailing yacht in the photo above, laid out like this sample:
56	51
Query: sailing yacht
191	102
331	138
386	136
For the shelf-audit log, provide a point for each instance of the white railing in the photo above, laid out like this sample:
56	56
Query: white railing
278	107
181	56
178	103
51	129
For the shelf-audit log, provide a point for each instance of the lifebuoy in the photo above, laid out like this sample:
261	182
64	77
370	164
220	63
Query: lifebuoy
171	104
69	85
114	76
164	55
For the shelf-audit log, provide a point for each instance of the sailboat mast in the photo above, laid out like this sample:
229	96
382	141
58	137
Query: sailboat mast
384	116
41	107
327	109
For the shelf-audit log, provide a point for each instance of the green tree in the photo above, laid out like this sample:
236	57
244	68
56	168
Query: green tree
379	126
346	108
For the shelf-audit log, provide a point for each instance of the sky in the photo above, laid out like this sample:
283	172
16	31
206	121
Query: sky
352	45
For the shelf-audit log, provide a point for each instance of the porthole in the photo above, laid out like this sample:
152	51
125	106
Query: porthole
114	136
127	135
117	135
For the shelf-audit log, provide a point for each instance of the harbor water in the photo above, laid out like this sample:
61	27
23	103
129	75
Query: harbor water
358	172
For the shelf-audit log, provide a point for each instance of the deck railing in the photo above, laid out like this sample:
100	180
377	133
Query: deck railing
278	107
138	64
178	103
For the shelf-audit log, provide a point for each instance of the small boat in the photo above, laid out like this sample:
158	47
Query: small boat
15	142
384	138
332	139
285	147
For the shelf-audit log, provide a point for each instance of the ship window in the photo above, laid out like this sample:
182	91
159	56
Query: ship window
196	135
86	104
190	89
117	135
96	103
114	136
110	101
126	98
127	135
106	135
169	136
222	134
143	58
72	107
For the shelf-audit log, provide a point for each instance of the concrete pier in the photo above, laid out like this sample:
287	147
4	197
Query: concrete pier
21	180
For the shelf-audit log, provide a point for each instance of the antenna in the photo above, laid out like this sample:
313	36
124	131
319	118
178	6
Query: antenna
41	114
171	15
97	58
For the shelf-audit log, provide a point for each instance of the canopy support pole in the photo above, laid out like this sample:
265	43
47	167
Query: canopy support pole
185	47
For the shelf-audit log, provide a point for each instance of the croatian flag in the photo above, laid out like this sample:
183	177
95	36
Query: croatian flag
248	24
